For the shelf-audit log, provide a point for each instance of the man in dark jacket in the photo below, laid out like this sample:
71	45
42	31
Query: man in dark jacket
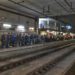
13	39
3	40
7	40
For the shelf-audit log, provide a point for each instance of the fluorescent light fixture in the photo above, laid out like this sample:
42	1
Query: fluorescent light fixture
7	26
31	28
20	28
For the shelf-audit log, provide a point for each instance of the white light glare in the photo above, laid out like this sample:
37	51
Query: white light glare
31	28
7	26
21	28
68	27
48	31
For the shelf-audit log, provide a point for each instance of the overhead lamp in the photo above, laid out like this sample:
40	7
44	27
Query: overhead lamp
31	28
7	26
20	28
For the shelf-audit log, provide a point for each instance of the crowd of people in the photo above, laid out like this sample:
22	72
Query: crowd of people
22	39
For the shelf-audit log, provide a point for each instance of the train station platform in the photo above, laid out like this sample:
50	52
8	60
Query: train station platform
37	37
54	43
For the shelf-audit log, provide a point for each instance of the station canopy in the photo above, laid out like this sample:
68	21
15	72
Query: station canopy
37	8
40	7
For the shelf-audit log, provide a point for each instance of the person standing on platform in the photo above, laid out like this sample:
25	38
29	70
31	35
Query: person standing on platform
31	39
13	39
3	40
26	39
22	40
19	39
7	40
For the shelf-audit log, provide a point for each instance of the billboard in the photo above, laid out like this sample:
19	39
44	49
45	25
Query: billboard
46	23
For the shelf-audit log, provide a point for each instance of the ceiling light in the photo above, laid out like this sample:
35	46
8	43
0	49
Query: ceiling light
31	28
20	28
7	26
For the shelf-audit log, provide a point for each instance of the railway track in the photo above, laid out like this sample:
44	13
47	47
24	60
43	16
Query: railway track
11	54
62	67
45	67
39	61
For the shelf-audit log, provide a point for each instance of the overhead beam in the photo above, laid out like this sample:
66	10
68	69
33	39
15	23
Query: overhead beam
14	12
61	6
65	15
69	4
30	2
26	7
